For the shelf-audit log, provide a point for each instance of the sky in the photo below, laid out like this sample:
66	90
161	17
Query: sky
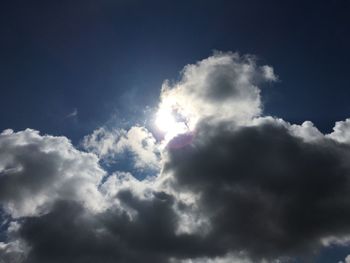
174	131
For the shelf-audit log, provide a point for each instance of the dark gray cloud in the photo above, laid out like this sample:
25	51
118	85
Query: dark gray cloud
265	191
70	233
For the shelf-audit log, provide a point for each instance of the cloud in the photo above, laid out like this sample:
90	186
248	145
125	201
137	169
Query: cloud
70	233
347	260
264	190
12	252
258	185
223	86
341	131
72	114
108	144
103	143
244	188
36	170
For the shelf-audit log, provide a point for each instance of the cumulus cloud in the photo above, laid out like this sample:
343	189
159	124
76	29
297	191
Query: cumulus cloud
265	190
108	144
341	131
36	170
111	236
223	86
243	188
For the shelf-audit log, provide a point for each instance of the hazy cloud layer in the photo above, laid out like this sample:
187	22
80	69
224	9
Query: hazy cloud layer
245	188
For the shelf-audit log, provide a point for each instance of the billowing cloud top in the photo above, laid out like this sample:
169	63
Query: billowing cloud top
36	170
238	186
222	86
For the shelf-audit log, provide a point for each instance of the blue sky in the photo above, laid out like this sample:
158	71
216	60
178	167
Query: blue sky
92	72
98	57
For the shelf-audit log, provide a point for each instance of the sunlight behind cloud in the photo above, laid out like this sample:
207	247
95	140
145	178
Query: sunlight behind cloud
165	121
169	123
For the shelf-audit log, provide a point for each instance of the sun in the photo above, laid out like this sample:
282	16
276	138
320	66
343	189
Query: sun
165	120
168	124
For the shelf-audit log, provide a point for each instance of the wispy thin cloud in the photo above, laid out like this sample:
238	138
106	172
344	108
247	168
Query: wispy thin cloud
72	114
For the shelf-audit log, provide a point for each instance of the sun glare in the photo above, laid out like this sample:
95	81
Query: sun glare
168	124
165	120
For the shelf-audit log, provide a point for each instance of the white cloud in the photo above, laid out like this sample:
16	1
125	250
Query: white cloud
142	143
108	144
229	258
72	114
120	181
103	142
223	86
306	130
341	131
347	260
12	252
268	73
36	170
14	249
335	240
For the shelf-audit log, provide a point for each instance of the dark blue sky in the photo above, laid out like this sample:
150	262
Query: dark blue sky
109	58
